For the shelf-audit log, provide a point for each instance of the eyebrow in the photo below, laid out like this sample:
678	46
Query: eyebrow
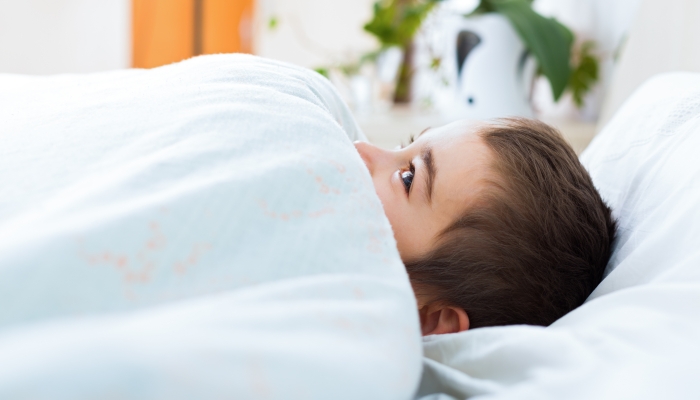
413	137
427	158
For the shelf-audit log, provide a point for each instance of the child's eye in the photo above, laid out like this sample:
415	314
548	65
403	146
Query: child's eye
407	177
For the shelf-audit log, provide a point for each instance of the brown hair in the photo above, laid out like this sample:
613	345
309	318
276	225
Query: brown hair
536	243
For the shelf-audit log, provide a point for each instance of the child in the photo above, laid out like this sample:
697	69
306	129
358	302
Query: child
497	223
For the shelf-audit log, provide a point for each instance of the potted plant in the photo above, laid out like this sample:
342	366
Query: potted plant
551	44
395	23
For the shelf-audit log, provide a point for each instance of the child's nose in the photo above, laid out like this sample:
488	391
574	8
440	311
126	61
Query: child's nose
371	155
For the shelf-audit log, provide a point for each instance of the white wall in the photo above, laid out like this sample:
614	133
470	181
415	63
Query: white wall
313	33
64	36
57	36
665	37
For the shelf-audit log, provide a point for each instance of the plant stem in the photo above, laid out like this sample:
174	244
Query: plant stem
402	95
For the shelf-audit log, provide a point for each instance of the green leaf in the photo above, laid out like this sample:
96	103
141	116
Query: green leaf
487	6
435	63
323	71
585	74
548	40
272	23
483	7
395	22
382	24
371	56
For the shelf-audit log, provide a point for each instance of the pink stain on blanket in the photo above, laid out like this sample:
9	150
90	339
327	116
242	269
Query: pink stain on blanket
284	216
338	166
192	258
320	213
323	186
136	269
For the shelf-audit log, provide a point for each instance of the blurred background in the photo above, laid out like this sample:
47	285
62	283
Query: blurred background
402	65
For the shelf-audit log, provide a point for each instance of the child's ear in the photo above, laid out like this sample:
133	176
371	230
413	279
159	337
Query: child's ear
436	319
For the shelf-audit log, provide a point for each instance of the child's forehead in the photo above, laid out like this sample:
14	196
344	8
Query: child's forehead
463	167
458	139
462	129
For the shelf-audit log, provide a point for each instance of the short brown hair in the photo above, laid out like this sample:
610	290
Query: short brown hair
536	243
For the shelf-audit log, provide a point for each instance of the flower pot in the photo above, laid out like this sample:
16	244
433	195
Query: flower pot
491	71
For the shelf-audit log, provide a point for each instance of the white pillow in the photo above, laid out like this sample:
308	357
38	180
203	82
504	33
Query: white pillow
201	230
637	336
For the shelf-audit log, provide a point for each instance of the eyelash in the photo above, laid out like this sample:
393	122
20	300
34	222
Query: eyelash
411	170
411	139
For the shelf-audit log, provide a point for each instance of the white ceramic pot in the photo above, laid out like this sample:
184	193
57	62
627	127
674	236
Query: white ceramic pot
491	72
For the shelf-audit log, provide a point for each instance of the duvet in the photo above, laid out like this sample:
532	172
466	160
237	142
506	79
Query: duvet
202	230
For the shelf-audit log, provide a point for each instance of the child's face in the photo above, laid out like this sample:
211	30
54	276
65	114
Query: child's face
452	160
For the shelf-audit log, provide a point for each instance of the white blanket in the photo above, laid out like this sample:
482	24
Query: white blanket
202	230
638	335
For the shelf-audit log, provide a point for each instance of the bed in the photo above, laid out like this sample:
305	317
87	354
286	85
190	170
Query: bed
206	230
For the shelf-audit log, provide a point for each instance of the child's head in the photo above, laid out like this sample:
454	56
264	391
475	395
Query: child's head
497	223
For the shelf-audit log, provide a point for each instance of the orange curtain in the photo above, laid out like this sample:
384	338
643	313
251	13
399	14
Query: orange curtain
167	31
